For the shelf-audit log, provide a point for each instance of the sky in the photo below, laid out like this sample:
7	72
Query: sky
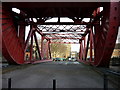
118	36
75	47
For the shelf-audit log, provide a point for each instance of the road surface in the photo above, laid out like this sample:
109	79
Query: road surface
67	75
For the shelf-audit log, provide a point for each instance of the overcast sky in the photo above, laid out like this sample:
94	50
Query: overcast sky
118	37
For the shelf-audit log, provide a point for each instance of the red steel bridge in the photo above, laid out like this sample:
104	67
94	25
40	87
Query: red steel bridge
98	34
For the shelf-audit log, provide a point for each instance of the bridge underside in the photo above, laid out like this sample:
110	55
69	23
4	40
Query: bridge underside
99	33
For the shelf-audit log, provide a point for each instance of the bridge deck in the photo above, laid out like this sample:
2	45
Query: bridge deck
67	75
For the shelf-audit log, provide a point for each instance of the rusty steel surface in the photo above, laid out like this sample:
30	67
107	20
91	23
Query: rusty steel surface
98	34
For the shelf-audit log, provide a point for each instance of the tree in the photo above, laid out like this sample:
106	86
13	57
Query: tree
59	50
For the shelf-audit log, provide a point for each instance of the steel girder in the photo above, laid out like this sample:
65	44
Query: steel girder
99	33
102	41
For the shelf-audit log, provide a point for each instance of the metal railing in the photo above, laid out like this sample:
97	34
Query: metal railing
108	73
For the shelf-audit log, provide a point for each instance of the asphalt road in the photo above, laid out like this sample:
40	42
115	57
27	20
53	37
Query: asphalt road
67	75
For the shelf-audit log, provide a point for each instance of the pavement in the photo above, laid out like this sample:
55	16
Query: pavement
66	74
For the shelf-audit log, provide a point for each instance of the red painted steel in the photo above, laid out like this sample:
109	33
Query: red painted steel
106	38
49	49
22	35
87	46
38	61
42	52
65	42
47	52
102	40
61	38
91	45
28	38
37	45
11	46
31	48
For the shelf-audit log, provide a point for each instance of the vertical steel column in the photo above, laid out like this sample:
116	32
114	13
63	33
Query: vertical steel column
49	49
91	46
87	46
114	20
84	42
105	41
31	48
84	48
22	34
81	50
42	39
46	50
37	46
28	37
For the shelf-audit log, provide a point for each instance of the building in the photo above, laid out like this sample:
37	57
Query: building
74	54
116	52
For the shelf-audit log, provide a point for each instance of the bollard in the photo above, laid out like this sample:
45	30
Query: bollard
54	84
105	82
9	83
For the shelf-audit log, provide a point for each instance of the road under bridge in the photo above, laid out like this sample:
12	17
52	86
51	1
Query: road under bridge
67	75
